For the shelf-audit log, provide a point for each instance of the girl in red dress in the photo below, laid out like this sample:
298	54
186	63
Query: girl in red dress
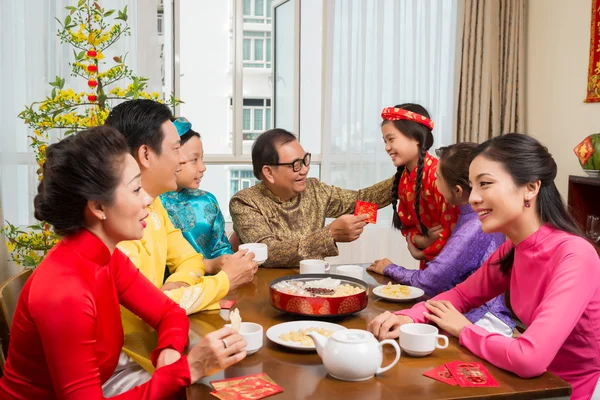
420	211
66	333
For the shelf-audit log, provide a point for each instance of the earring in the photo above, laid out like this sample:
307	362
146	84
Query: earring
527	203
104	217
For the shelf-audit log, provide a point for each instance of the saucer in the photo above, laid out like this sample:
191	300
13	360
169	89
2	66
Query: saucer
416	353
415	293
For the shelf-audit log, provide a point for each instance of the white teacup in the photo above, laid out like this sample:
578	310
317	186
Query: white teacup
260	251
353	271
314	267
252	334
420	340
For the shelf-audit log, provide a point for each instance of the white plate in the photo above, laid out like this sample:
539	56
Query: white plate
275	331
415	293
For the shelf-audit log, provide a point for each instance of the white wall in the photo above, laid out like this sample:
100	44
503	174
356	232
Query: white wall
557	57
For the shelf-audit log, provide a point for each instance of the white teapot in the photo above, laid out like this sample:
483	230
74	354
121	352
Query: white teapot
353	354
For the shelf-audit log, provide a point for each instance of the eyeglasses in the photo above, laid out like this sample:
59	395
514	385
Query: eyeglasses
297	163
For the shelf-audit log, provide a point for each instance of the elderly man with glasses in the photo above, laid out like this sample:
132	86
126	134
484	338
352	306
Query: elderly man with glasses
287	210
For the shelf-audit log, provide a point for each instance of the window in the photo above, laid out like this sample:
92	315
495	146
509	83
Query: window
257	49
227	87
257	117
240	68
207	87
371	52
258	11
28	82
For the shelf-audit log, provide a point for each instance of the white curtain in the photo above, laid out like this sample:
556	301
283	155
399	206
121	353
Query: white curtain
380	53
32	56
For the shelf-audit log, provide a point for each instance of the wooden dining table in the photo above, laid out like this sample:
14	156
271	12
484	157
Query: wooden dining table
302	375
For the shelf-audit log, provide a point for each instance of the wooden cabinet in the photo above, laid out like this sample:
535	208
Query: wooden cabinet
583	198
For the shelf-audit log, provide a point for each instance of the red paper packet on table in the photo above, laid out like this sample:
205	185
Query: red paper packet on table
363	207
224	383
441	374
249	388
471	374
226	304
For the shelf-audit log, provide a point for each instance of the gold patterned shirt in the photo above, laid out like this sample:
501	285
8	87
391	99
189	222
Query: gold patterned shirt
294	230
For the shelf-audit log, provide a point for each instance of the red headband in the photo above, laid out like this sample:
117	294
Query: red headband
395	114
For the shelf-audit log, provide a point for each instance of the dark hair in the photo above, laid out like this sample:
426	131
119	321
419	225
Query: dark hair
264	149
81	167
527	160
423	135
454	163
140	121
188	135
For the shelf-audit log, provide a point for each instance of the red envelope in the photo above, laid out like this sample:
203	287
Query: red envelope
224	383
441	374
363	207
226	304
249	388
471	374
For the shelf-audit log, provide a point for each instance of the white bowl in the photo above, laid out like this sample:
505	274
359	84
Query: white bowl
260	251
353	271
252	334
591	172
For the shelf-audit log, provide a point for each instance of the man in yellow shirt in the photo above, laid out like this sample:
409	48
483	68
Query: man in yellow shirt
154	142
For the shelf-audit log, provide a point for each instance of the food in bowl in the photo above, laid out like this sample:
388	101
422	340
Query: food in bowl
324	295
327	287
301	335
396	291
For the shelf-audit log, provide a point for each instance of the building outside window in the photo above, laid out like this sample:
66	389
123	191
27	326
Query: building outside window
258	11
257	49
257	117
240	178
